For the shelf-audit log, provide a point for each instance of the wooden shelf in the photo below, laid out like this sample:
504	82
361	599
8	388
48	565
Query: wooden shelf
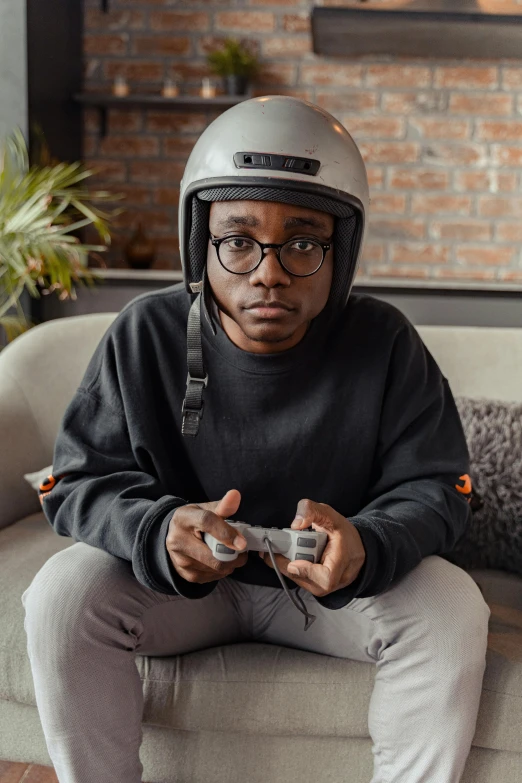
105	101
174	275
354	31
158	101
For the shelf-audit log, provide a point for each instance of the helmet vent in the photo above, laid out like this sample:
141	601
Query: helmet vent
265	160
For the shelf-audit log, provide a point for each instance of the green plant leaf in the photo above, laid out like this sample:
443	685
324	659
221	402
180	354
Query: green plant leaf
233	59
42	207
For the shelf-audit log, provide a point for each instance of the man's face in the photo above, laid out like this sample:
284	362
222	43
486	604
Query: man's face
268	221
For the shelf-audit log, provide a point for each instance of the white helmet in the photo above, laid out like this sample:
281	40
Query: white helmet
271	148
276	148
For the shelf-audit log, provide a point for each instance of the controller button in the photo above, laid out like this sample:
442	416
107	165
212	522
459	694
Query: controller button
224	550
308	542
305	557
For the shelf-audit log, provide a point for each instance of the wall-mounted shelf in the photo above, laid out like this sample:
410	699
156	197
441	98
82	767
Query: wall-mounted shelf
353	31
141	275
105	101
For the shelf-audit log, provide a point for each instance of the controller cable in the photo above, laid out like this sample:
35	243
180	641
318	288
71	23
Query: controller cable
310	618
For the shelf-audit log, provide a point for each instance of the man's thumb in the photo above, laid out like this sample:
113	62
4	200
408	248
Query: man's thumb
229	503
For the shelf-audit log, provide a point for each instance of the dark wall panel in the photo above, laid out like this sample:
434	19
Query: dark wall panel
54	74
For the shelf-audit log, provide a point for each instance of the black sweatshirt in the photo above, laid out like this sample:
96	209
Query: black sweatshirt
360	418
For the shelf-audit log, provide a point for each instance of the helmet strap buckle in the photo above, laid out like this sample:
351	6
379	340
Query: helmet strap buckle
191	419
190	379
196	288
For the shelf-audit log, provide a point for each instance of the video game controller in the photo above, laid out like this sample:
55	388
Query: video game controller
293	544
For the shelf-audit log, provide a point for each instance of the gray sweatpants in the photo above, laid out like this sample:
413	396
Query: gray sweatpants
86	616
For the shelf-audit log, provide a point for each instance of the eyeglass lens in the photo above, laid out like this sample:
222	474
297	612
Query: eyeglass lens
241	254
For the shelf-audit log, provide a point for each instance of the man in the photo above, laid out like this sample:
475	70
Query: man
303	407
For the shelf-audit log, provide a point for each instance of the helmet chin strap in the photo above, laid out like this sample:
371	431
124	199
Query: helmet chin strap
197	379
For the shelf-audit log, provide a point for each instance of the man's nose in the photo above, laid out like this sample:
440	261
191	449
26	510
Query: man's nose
269	269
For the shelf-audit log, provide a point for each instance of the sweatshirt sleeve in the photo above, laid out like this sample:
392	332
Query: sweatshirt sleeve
105	493
418	500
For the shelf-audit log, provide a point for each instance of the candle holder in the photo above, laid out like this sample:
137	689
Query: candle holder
208	88
170	88
120	87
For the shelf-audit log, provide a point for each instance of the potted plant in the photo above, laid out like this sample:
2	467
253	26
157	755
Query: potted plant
236	64
41	206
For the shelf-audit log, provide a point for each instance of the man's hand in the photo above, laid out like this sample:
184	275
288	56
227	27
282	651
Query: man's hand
190	555
343	556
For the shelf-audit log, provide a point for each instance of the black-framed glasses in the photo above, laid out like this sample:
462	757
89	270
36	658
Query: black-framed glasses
299	256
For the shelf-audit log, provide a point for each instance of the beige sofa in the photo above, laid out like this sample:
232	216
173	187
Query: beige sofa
223	714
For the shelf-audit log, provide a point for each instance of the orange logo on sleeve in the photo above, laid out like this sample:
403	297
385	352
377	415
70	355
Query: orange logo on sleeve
465	489
47	485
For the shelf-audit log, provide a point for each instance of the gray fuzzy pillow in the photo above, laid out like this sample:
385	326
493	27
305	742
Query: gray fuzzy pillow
493	432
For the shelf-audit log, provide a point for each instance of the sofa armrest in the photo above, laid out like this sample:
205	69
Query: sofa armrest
39	373
22	451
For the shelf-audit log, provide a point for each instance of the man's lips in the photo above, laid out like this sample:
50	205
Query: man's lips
269	310
270	305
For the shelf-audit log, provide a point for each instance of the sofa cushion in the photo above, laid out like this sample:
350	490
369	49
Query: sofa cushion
24	547
493	432
247	687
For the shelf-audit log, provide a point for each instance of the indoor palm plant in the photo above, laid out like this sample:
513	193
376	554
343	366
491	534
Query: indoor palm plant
235	63
41	206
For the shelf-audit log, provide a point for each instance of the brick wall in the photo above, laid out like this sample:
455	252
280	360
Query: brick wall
442	140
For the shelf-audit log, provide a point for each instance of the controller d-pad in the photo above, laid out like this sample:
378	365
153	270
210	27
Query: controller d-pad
305	557
224	550
309	542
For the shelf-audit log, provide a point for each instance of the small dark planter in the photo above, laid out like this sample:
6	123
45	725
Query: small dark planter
139	251
236	85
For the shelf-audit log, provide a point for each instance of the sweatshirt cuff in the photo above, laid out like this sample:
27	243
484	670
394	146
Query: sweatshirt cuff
372	546
163	571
